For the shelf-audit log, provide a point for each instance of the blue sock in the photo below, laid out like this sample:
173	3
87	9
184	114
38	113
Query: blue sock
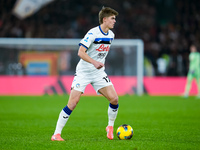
67	110
113	106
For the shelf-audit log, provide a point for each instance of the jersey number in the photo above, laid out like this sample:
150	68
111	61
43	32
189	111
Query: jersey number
106	78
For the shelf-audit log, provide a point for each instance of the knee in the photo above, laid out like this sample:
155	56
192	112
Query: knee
72	103
114	100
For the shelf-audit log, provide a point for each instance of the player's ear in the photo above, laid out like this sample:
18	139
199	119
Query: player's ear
104	19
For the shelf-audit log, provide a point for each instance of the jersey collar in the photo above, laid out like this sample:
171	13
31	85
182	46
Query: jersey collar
102	31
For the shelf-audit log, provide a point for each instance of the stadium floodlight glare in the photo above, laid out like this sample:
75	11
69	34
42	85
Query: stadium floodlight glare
127	46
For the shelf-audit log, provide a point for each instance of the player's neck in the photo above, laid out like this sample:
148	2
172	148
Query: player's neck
104	28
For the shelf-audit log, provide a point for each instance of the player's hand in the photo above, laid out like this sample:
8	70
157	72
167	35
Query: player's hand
97	64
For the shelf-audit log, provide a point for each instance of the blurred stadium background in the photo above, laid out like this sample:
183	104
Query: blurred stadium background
167	28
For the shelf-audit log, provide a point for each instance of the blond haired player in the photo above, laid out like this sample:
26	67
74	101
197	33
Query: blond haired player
93	50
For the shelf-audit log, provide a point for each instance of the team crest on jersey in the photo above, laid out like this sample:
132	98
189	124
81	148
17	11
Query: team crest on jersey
103	48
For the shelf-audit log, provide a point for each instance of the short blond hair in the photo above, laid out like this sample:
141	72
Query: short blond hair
106	12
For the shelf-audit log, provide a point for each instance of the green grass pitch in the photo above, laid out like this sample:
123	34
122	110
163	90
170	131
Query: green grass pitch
159	123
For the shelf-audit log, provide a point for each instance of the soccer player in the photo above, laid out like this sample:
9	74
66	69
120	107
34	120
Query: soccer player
93	50
194	70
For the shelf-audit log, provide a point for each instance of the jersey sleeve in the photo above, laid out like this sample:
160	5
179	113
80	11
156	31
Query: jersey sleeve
87	40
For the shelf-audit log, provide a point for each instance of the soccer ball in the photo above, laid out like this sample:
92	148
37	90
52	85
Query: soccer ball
124	132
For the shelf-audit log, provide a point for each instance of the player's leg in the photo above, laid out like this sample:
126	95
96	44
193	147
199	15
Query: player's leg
78	86
65	114
188	84
110	93
198	84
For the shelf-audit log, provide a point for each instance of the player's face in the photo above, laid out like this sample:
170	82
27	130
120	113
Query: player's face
110	21
193	48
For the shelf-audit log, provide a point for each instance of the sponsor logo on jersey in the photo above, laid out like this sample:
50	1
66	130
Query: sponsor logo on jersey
101	55
103	48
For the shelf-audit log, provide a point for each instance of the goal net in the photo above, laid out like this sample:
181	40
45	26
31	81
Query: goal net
32	57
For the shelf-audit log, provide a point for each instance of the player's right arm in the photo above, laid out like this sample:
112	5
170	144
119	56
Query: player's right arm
83	55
